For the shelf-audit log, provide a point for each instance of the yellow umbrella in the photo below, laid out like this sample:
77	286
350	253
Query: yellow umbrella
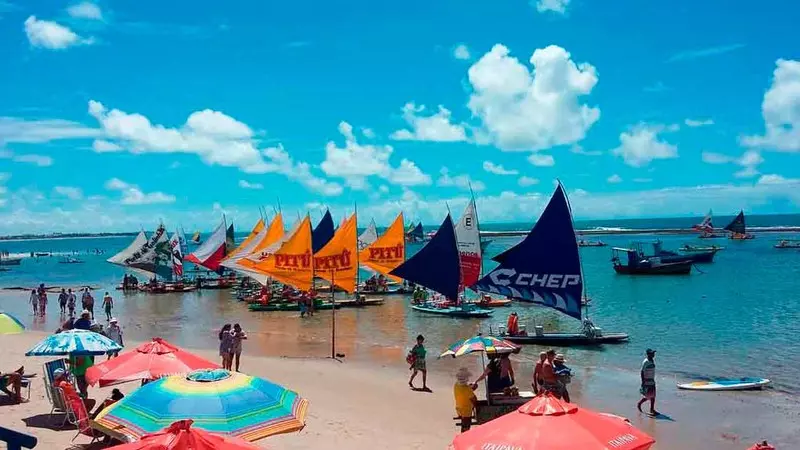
10	324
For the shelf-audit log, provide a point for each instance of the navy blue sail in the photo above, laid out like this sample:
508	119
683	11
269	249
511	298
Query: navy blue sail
737	224
437	265
416	234
545	268
322	233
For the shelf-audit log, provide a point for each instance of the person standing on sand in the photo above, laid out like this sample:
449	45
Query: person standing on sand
464	394
537	372
42	300
549	378
114	332
62	302
225	345
416	357
71	302
108	305
88	302
648	389
237	336
35	302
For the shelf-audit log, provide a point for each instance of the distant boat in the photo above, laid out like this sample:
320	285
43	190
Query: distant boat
696	256
636	263
788	243
70	260
587	243
738	229
706	225
10	261
699	248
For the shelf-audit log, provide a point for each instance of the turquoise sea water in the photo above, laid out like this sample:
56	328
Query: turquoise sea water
739	316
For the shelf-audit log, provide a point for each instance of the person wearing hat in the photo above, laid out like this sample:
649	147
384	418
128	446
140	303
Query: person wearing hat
563	375
648	389
84	323
70	394
465	397
114	332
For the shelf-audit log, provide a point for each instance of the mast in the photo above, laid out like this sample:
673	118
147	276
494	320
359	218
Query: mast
358	251
583	279
477	224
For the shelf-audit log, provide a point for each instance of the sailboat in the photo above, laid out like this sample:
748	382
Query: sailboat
545	269
383	255
706	227
738	229
415	233
151	257
196	238
437	266
177	255
211	252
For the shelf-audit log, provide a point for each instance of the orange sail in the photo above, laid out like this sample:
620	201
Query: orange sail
337	262
292	263
246	246
274	235
388	252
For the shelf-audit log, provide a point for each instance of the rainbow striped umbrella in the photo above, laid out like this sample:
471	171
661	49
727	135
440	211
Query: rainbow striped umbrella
10	324
488	344
216	400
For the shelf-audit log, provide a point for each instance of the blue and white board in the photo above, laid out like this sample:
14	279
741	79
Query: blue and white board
733	384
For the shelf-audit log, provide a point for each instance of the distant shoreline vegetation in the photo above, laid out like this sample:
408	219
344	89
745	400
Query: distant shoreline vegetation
29	237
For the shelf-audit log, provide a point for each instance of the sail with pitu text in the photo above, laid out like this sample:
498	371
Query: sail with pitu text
386	252
293	262
437	265
545	267
337	261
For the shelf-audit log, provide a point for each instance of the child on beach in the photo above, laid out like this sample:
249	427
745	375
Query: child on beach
237	336
225	345
648	389
108	305
464	394
71	302
35	302
416	357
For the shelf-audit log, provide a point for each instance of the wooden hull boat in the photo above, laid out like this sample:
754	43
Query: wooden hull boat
675	268
359	303
289	306
10	261
493	303
566	339
167	288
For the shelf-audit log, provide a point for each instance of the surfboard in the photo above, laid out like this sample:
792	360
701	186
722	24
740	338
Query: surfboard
732	384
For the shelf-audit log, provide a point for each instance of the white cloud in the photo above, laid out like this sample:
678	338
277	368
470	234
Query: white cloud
462	181
776	179
749	162
16	130
104	146
524	108
356	163
641	145
69	192
716	158
556	6
132	195
85	10
614	179
541	160
51	35
781	110
698	123
368	133
215	137
525	181
579	150
498	169
247	185
461	52
434	128
38	160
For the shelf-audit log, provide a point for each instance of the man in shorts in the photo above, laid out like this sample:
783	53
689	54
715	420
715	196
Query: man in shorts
648	389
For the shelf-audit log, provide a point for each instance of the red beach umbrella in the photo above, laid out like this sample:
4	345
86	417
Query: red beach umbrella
149	361
181	436
548	423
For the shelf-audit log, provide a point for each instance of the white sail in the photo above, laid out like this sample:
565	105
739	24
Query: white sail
210	253
137	243
233	262
369	236
469	245
153	256
177	254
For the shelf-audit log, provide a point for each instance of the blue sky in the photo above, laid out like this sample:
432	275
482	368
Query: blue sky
116	114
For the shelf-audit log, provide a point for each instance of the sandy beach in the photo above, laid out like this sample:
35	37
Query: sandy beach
361	406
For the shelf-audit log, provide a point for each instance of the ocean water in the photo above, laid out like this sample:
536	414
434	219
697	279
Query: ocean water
739	316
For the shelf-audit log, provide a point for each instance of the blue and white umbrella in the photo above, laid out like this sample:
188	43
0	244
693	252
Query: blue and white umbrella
74	342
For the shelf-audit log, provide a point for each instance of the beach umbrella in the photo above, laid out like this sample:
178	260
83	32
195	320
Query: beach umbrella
217	400
549	423
10	324
74	342
182	436
488	344
149	361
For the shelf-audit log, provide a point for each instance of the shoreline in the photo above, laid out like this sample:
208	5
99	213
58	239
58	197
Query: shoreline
356	403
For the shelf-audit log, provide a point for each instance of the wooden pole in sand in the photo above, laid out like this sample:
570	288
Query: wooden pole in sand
333	316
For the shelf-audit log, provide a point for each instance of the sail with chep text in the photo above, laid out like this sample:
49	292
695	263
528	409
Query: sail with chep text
545	267
437	265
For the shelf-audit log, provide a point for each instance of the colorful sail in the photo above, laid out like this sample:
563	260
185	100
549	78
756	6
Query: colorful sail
437	265
416	234
323	232
369	236
293	262
249	242
737	225
177	255
212	251
706	224
545	268
387	252
337	262
272	240
469	245
154	256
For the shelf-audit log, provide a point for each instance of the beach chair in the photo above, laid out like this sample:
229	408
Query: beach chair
78	415
54	394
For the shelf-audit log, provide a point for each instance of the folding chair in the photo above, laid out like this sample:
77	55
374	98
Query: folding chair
78	415
54	395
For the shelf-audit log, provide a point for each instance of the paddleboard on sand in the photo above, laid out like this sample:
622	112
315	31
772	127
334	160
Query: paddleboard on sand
733	384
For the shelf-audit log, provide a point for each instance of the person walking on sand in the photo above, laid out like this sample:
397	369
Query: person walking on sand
62	301
464	394
648	389
237	336
537	372
108	305
416	357
563	374
34	299
225	345
71	302
88	302
42	300
114	332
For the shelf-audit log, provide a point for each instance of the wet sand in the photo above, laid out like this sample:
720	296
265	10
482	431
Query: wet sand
365	400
